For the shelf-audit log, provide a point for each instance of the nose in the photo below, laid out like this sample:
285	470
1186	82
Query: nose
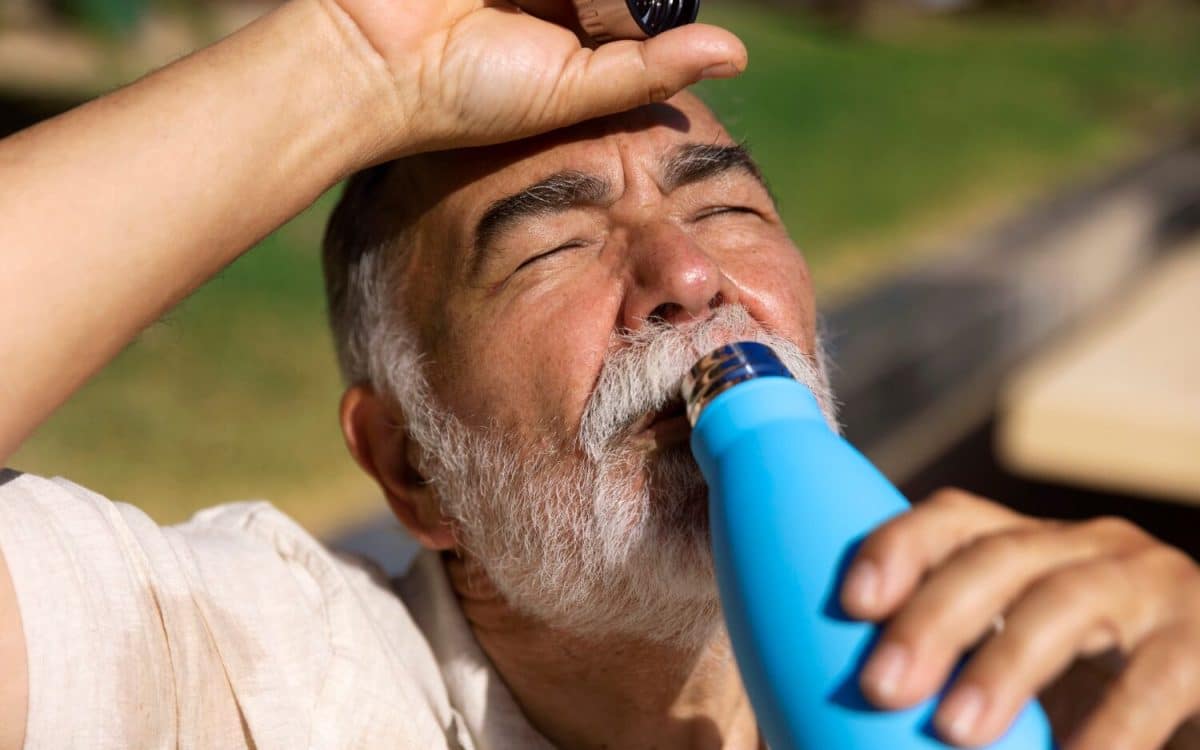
674	280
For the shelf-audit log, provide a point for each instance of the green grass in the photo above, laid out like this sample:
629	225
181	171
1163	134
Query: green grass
915	122
868	141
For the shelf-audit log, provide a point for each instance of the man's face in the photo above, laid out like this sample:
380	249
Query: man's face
560	288
517	322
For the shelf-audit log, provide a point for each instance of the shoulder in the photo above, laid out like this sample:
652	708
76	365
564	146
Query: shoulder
380	682
240	597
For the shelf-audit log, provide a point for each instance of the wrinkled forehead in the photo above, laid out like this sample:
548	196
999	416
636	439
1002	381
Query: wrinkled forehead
446	188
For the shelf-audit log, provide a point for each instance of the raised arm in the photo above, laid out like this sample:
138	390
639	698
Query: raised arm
114	212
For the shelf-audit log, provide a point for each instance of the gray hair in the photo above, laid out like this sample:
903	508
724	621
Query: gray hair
363	258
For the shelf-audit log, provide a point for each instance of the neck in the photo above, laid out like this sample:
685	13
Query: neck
609	692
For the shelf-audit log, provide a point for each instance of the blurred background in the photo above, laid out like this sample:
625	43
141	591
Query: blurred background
998	200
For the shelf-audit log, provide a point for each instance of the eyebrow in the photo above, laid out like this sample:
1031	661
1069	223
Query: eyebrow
686	165
557	193
697	162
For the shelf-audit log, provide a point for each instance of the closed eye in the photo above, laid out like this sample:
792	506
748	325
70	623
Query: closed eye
724	211
572	245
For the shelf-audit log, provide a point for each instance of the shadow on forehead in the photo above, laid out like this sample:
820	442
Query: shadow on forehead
380	205
415	184
374	228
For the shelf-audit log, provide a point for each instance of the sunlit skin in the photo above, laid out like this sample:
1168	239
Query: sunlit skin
172	178
521	343
114	212
517	340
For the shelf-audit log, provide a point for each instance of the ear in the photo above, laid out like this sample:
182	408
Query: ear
376	436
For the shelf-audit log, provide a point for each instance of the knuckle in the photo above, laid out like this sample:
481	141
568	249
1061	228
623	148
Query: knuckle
1076	583
1164	580
1079	590
1008	545
952	497
659	91
1113	527
655	89
658	88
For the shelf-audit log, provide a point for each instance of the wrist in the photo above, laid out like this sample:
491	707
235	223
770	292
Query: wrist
347	112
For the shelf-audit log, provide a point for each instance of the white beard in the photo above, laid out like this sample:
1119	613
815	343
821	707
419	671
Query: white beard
598	538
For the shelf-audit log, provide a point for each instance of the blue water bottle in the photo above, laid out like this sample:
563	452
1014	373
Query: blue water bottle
789	500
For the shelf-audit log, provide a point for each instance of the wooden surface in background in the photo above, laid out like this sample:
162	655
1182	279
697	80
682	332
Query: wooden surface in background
921	359
1118	403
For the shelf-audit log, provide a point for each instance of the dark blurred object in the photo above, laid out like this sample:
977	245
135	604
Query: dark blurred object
18	113
113	18
921	358
970	465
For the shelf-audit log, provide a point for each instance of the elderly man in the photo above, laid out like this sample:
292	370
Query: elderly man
513	321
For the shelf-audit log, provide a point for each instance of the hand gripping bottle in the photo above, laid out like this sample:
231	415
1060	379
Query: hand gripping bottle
789	500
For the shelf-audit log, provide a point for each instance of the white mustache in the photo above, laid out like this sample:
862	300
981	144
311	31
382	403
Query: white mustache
645	368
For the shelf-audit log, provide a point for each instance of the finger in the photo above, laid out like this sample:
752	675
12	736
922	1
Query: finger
896	556
1156	693
622	75
1076	611
960	600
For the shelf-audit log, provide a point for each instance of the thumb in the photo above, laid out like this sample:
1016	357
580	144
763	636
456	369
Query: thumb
619	76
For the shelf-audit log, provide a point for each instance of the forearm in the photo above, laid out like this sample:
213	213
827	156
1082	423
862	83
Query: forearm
115	211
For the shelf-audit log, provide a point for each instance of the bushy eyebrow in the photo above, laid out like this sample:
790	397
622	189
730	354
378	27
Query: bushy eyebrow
686	165
696	162
557	193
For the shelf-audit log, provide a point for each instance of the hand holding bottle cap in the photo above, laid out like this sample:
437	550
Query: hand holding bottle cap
609	20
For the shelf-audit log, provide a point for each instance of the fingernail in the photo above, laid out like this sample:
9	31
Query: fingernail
721	70
960	713
862	585
885	670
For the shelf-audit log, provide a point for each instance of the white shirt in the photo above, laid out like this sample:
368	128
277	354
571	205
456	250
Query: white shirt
236	629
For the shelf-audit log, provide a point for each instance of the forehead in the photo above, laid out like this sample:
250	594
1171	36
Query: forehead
455	184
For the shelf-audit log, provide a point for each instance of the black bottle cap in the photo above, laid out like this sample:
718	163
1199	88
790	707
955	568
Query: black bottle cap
606	20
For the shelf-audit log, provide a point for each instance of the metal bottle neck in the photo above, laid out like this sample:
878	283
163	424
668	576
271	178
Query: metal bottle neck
726	367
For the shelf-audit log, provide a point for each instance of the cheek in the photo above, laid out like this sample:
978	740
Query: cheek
530	362
776	287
